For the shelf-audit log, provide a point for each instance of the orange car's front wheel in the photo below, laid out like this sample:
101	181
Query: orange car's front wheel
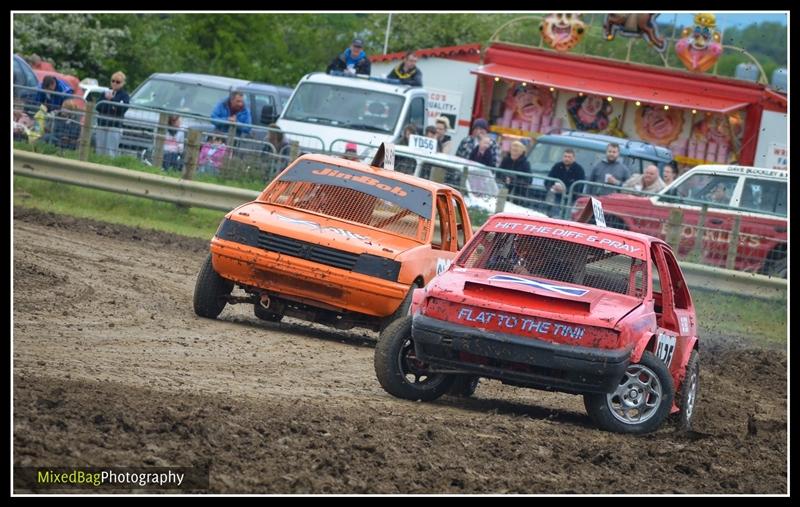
210	291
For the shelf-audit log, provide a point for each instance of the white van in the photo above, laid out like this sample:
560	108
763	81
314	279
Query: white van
326	112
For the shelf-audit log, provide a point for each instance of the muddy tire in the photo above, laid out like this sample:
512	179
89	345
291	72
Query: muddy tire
398	370
402	310
210	291
640	403
464	386
265	314
688	392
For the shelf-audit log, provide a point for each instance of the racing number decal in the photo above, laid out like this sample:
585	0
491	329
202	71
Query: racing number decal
665	347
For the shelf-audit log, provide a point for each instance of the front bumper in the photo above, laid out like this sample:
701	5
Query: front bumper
313	283
515	360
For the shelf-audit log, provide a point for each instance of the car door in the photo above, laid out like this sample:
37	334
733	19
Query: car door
763	238
689	196
676	322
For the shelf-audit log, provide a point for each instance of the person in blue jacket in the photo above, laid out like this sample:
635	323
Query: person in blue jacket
352	61
52	101
234	110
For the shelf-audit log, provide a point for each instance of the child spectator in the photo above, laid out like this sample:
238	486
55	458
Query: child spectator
173	144
212	155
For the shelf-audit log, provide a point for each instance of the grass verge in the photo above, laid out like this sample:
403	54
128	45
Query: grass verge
760	321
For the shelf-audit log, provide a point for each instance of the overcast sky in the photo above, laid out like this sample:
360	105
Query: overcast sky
726	19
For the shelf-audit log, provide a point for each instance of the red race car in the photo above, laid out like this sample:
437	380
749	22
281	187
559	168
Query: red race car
554	305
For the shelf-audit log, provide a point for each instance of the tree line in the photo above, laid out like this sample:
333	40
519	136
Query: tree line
281	48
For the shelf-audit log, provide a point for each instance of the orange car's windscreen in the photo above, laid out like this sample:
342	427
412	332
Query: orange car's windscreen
557	260
381	203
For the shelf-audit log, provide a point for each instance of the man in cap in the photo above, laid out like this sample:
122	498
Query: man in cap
353	60
480	128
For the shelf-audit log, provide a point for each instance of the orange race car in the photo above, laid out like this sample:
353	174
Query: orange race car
333	241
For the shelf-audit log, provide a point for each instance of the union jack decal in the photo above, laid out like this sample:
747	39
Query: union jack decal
560	289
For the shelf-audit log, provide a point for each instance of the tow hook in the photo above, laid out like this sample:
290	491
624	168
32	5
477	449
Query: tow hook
264	301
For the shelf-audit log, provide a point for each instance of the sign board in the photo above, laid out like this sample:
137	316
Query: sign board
443	103
597	208
388	157
427	144
777	156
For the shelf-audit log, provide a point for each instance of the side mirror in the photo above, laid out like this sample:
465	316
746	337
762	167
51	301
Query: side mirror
268	115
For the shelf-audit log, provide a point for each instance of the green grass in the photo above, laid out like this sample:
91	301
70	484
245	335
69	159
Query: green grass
115	208
760	321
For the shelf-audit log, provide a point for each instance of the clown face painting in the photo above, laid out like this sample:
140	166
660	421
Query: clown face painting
589	112
657	125
700	46
562	31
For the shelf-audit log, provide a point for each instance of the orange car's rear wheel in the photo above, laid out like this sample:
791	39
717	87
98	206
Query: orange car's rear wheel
210	291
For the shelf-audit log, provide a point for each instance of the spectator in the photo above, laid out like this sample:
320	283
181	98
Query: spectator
173	143
670	173
482	153
406	71
52	93
351	152
479	128
442	127
352	61
212	155
232	110
66	130
648	181
408	131
719	194
23	124
276	150
516	161
610	171
430	131
109	128
567	171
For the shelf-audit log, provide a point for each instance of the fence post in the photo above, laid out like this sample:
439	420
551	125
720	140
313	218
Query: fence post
501	199
294	149
85	140
674	226
192	154
733	245
158	151
699	236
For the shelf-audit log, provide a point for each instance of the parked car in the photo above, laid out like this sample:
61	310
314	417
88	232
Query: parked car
336	242
560	306
758	197
589	149
480	187
24	77
194	94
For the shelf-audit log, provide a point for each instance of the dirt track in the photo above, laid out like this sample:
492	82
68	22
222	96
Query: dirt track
112	367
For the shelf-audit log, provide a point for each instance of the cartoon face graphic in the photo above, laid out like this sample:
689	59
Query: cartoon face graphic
699	46
562	31
657	125
589	112
527	103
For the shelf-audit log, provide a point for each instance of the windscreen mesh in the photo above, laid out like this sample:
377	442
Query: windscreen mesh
349	204
557	260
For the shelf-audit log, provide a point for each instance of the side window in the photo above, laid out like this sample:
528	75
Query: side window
460	234
436	242
259	102
405	165
416	113
764	195
710	188
656	277
443	234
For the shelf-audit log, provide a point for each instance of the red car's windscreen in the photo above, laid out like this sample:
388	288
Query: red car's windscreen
558	260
